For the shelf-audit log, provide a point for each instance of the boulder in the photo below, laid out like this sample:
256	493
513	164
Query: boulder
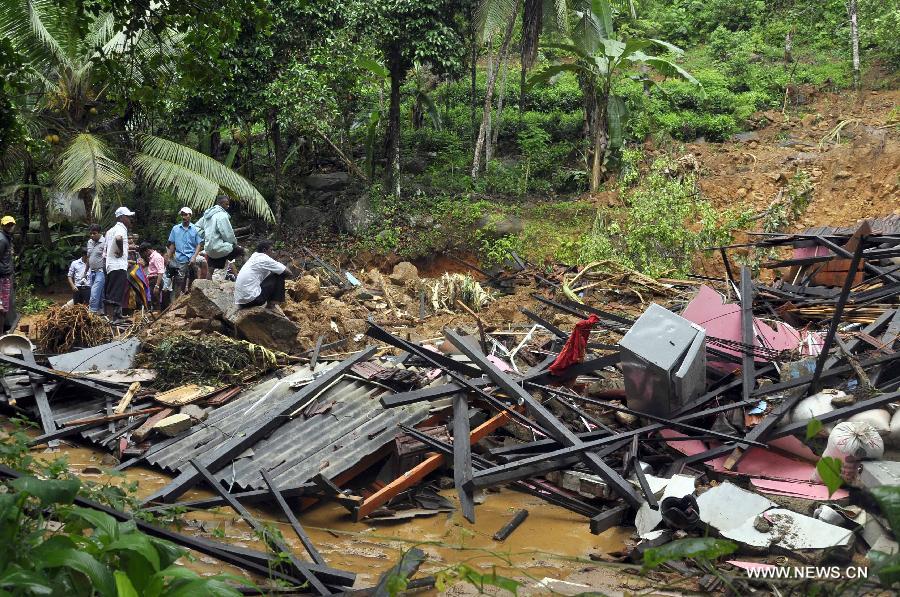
266	328
305	289
210	300
404	272
326	181
358	215
305	217
501	226
195	412
173	425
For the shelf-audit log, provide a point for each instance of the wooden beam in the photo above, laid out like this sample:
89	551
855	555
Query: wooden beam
48	422
548	421
415	475
126	399
462	456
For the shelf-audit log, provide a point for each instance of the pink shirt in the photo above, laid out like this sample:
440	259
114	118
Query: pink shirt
157	264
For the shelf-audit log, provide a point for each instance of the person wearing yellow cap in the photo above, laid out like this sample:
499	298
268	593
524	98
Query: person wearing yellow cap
7	312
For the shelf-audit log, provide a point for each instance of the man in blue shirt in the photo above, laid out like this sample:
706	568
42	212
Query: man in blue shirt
183	254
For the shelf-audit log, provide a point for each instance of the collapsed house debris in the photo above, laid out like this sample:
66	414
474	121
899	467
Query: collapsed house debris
685	416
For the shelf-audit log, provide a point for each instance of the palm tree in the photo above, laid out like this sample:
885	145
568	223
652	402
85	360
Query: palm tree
98	156
598	59
496	17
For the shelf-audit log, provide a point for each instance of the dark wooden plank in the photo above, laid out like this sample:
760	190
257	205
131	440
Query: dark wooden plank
608	519
235	505
308	545
565	456
462	456
315	353
48	422
507	529
548	421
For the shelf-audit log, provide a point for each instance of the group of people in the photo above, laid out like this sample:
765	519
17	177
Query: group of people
104	274
108	267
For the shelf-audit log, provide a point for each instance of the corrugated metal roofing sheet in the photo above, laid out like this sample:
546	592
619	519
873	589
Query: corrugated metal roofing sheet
328	443
888	225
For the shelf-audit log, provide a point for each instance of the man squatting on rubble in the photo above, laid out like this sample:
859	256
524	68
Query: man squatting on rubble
261	280
219	241
6	272
96	262
79	279
116	250
183	253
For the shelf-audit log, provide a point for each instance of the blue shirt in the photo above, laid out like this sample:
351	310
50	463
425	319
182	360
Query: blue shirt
186	241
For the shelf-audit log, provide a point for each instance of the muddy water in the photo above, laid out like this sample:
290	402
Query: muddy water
552	542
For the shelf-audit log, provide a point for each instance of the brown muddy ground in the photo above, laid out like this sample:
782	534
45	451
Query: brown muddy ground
552	543
856	175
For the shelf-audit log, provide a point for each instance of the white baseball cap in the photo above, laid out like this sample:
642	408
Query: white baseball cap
124	211
186	210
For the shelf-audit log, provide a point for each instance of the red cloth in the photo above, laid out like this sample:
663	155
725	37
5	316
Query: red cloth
573	351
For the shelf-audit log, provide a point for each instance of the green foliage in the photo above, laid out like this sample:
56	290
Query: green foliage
40	264
695	548
664	223
27	303
495	251
887	566
48	545
791	205
92	553
829	469
883	35
445	578
813	428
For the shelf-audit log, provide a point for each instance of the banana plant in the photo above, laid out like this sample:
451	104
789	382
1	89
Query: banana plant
595	55
68	101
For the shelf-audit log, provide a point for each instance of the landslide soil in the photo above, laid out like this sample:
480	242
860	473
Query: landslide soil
855	177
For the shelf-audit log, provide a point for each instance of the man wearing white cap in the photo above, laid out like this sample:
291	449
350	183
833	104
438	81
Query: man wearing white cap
183	254
116	253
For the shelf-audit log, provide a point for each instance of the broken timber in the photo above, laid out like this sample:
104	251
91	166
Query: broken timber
548	421
48	423
295	524
415	475
235	505
86	384
764	427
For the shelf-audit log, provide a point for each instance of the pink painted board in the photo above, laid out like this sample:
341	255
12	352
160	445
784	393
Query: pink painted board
709	310
768	470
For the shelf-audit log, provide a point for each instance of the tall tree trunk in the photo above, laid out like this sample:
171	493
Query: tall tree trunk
496	126
789	46
489	95
854	41
532	17
42	212
591	118
395	66
473	70
26	206
601	140
278	144
492	71
215	144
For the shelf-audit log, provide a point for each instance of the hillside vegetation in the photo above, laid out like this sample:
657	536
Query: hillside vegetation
568	130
